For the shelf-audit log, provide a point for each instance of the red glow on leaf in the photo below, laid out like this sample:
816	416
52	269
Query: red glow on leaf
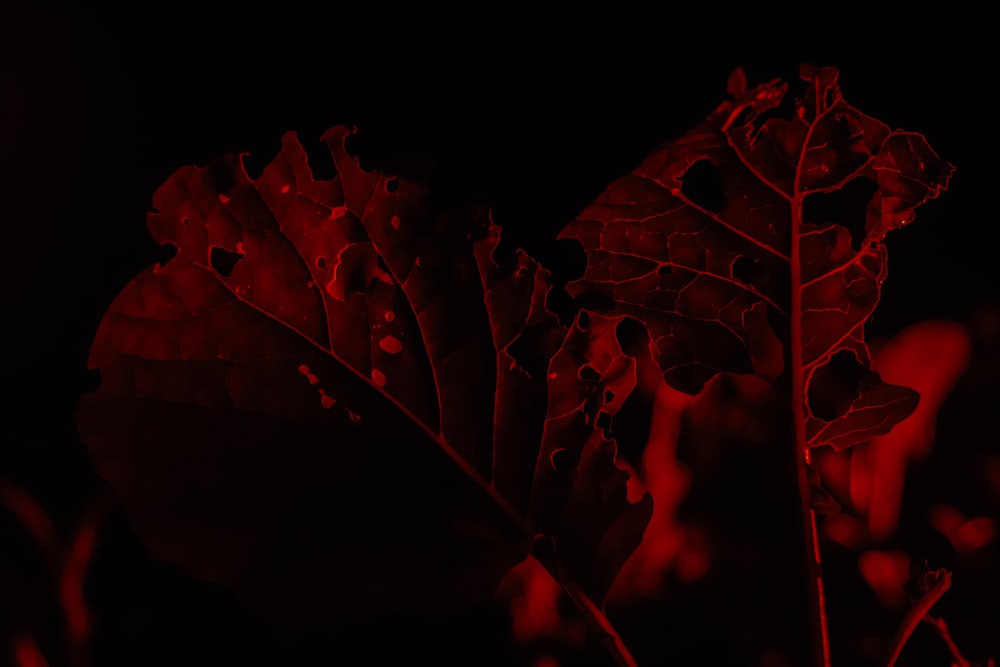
534	601
965	535
698	244
665	542
391	344
886	572
930	357
309	375
325	400
845	530
32	517
27	653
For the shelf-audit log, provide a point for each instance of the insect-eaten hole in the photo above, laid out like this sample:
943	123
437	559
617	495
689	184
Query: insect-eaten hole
664	270
392	184
530	352
563	460
630	428
583	320
321	263
359	145
745	269
632	337
835	385
588	373
847	207
224	261
702	184
605	422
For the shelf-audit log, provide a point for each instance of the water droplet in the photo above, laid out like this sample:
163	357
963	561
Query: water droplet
338	212
389	316
553	376
394	221
355	417
224	199
326	401
378	377
285	188
391	344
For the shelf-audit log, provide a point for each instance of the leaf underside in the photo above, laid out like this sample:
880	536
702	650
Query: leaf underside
338	406
696	244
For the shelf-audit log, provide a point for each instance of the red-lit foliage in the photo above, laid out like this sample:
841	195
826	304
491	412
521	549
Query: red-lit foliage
339	405
67	560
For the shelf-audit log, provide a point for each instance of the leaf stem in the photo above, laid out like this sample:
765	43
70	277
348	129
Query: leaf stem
916	613
597	621
599	625
817	599
942	630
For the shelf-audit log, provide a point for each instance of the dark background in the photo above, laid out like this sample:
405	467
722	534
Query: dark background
533	109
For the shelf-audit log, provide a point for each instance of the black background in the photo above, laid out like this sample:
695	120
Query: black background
534	109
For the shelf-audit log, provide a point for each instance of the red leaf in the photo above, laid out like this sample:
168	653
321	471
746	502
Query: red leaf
339	406
725	245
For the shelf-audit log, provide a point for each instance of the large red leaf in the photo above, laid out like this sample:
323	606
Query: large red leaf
725	245
339	406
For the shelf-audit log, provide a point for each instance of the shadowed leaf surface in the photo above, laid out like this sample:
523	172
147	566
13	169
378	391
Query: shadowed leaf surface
320	400
714	244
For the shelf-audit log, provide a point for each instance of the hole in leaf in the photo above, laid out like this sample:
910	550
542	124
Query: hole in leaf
392	184
609	396
320	160
224	261
702	184
632	337
664	270
562	461
835	385
630	428
321	263
529	351
785	109
605	422
589	374
847	207
745	270
583	320
559	301
185	222
828	98
358	145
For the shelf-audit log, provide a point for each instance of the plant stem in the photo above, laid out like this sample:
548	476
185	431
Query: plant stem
597	621
942	630
600	625
817	600
917	612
